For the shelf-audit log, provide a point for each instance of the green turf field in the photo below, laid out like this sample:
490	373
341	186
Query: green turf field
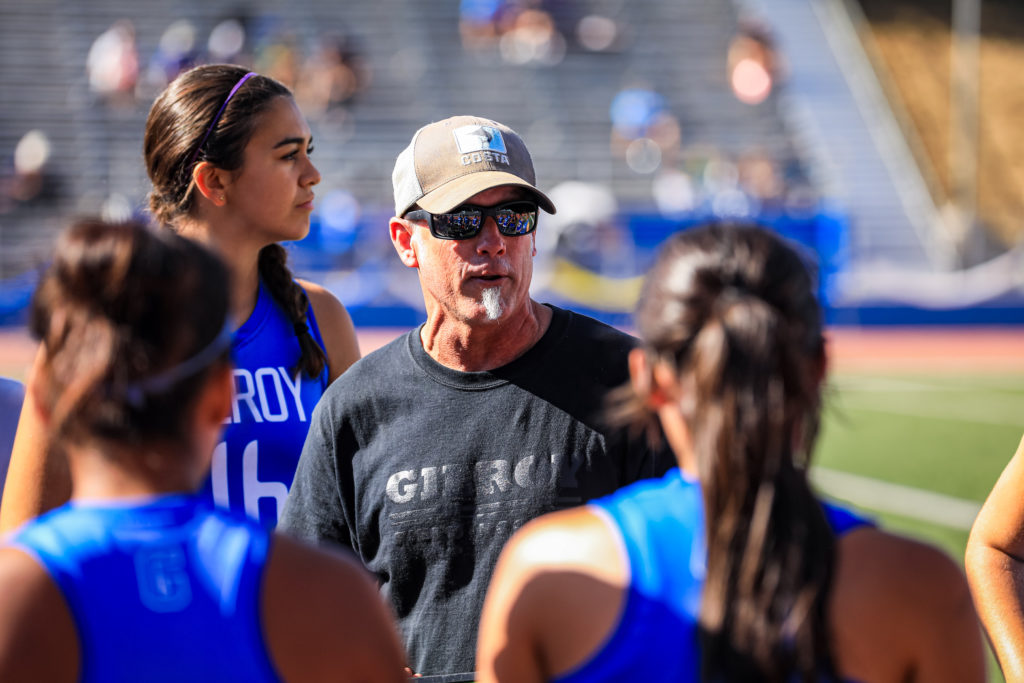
945	434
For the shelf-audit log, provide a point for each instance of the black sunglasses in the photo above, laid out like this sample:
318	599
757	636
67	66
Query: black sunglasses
466	221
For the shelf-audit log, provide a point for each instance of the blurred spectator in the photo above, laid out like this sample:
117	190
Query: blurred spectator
634	111
117	208
523	31
644	131
532	38
332	76
674	193
175	53
26	178
227	41
711	181
112	64
481	23
761	178
280	59
599	33
753	62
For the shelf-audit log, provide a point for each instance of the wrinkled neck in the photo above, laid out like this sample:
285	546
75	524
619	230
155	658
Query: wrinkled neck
483	346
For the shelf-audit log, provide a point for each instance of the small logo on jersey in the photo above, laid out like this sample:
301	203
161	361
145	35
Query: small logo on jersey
163	578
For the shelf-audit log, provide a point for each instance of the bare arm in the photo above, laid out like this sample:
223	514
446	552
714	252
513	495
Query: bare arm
324	619
995	566
556	593
339	335
38	479
38	641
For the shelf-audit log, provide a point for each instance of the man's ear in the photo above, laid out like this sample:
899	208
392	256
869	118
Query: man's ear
401	237
212	182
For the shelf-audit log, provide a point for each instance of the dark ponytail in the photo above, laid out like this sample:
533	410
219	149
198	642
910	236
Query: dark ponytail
176	126
732	309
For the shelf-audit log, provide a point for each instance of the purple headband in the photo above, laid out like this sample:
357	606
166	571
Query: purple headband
220	111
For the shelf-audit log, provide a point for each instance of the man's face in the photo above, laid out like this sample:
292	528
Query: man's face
482	280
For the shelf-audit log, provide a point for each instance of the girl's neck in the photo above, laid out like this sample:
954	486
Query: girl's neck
242	259
149	471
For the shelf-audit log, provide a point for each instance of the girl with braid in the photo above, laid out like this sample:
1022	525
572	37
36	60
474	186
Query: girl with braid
729	568
137	578
228	155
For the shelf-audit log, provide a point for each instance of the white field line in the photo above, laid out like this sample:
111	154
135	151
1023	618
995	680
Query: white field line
1002	411
1011	382
882	496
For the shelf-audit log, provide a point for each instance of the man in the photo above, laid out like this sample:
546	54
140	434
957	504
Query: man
425	456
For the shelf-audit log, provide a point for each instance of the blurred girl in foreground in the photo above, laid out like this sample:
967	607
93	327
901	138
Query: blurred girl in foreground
137	578
728	568
228	153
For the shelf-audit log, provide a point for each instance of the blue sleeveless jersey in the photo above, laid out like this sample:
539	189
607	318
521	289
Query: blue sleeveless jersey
254	464
661	525
165	590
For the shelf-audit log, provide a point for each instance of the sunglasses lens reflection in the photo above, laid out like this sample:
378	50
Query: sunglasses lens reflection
518	219
513	219
458	225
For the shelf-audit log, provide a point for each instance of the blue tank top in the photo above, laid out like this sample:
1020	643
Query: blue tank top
167	589
254	463
661	525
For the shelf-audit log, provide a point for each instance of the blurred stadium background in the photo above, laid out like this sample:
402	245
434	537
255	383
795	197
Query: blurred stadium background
834	121
882	135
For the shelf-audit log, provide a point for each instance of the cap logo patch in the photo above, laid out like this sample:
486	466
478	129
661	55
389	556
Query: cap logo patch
480	143
478	139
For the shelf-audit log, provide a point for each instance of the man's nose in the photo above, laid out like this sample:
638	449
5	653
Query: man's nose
490	240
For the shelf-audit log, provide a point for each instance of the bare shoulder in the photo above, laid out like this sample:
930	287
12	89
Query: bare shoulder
336	328
291	558
556	594
322	614
320	297
900	605
579	539
34	623
330	312
898	563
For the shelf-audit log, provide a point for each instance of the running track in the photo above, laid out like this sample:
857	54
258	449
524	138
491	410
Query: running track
926	349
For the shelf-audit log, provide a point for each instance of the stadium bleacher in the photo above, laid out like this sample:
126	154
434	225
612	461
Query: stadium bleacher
421	72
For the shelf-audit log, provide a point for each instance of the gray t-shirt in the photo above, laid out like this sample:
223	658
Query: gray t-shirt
425	472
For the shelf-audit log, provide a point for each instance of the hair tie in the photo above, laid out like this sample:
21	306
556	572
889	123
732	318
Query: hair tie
220	111
136	392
